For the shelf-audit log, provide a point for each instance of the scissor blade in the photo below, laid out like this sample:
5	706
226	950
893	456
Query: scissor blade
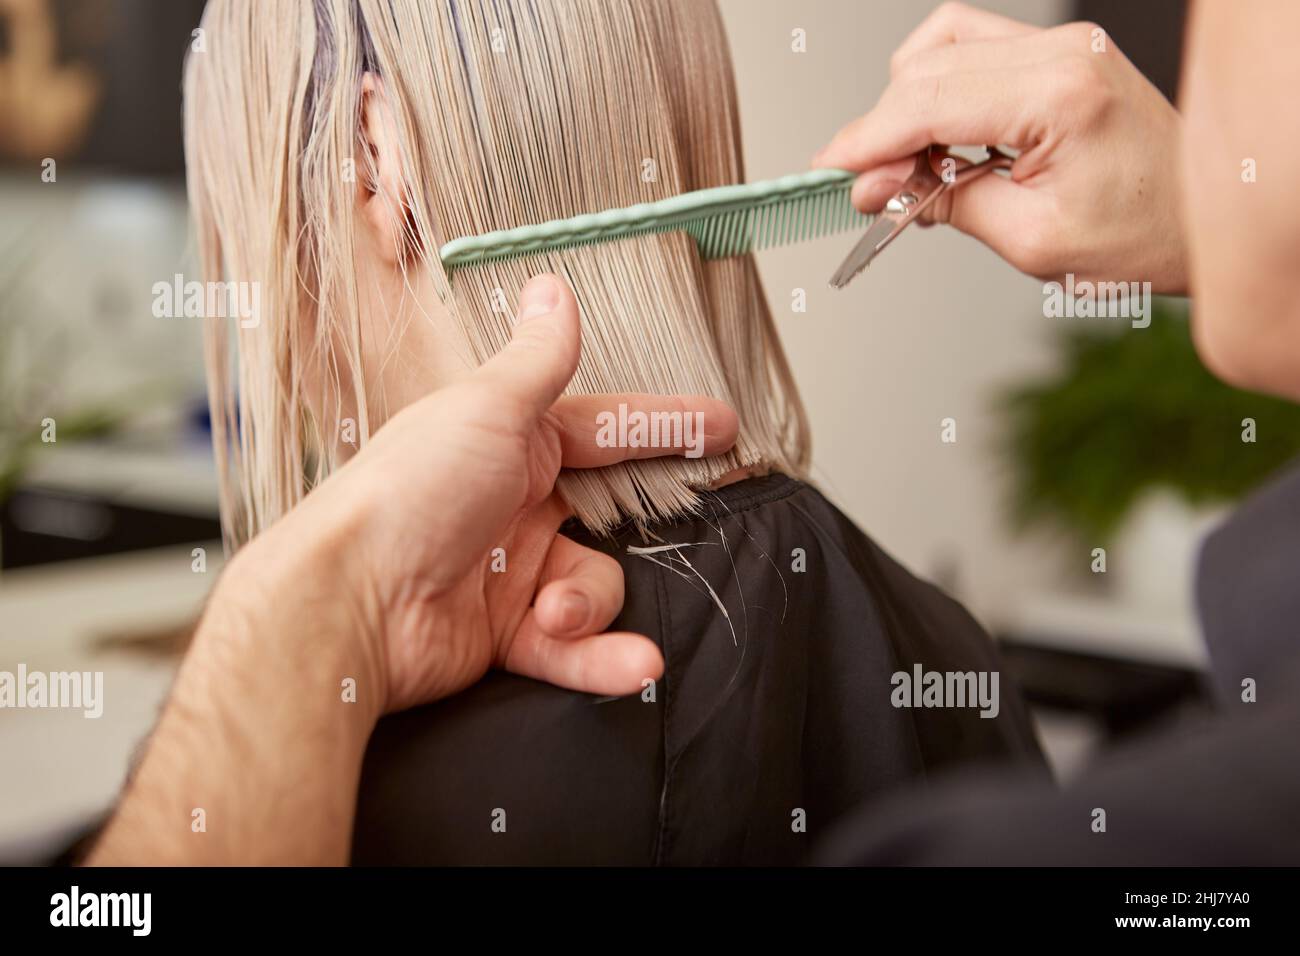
861	254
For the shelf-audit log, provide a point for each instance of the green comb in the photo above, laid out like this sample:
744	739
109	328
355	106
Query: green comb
724	221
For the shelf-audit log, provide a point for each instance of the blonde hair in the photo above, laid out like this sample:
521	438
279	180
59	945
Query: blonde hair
503	112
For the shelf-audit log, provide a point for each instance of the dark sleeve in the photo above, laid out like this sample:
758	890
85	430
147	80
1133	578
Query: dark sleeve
1223	795
1247	592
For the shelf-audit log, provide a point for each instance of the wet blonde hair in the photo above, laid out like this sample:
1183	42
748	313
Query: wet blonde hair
504	113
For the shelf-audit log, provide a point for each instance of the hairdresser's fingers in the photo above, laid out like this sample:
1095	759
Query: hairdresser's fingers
988	106
594	429
1042	46
953	23
535	530
877	184
983	208
874	187
970	207
542	354
580	590
1038	48
614	663
557	640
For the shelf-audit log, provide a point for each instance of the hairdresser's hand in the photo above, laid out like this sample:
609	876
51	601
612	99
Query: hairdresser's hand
1094	190
403	536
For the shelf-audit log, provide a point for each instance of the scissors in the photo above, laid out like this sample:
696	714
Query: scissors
921	189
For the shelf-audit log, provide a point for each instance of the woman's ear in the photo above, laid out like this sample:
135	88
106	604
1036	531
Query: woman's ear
381	190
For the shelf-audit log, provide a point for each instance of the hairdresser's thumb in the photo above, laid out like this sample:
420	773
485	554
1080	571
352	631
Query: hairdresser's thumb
542	355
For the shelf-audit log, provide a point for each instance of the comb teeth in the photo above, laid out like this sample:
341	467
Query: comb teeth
724	222
794	218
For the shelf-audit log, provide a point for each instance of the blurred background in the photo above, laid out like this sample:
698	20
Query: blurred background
1072	435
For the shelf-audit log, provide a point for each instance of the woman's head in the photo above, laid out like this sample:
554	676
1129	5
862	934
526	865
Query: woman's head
333	146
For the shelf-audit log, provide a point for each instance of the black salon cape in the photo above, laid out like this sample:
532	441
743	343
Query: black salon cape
770	723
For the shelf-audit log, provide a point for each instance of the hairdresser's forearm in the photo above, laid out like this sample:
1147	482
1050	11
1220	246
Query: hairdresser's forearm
257	755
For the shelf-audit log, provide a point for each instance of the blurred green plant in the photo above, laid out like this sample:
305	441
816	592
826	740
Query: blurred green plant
1130	412
17	444
30	378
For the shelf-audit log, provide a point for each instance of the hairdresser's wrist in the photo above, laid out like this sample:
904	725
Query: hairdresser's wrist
292	595
258	753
